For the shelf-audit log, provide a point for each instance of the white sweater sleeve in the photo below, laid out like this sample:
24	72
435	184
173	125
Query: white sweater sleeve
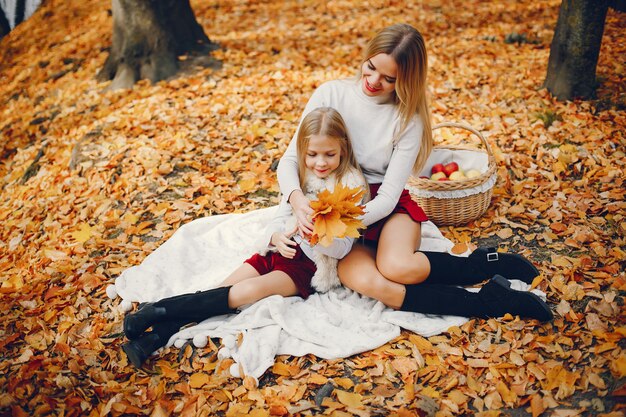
338	249
400	167
287	171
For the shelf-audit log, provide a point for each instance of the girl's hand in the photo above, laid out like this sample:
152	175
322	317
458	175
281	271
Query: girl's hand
284	244
303	211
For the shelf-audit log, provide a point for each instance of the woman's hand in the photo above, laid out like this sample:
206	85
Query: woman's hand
284	244
303	211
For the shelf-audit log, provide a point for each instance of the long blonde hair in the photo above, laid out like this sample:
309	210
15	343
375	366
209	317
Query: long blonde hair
406	46
328	122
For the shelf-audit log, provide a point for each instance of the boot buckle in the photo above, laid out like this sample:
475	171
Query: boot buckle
492	257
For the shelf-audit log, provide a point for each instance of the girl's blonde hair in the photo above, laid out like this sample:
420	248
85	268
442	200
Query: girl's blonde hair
328	122
406	46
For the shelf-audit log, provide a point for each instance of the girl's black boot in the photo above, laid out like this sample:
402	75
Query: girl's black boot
140	349
194	307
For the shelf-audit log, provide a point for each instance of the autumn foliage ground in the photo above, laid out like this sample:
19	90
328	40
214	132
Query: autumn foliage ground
92	182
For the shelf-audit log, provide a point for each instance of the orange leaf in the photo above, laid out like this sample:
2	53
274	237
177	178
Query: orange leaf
336	214
349	399
536	405
198	380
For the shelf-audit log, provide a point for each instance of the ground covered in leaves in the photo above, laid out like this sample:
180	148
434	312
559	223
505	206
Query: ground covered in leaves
91	182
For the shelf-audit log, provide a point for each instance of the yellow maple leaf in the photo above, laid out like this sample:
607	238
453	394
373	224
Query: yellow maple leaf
350	399
198	380
83	234
336	214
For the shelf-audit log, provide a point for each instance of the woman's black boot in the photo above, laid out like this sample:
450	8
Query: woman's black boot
494	299
481	265
140	349
194	307
501	299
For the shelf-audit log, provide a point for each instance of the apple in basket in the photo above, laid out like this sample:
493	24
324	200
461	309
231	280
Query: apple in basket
438	176
457	175
437	168
449	168
472	173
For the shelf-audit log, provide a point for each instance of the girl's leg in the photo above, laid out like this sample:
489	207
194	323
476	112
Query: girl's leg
245	271
195	307
250	290
185	308
396	258
358	272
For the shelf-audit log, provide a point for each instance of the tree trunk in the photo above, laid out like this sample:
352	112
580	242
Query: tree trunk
575	48
5	27
20	10
148	36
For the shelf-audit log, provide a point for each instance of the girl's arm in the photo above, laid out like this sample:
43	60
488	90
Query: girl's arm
277	225
398	171
284	244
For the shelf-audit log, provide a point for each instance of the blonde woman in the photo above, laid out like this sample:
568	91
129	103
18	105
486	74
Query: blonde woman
386	112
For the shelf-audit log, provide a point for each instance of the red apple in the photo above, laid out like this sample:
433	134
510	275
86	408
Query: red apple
450	168
443	179
437	168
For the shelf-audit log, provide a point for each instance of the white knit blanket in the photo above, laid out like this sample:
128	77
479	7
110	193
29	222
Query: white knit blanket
331	325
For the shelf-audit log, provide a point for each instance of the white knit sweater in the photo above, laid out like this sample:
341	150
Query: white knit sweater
372	126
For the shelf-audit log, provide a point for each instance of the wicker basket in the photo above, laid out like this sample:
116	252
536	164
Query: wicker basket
446	211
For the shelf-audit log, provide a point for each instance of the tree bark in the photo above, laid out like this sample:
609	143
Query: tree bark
20	10
575	49
148	36
5	27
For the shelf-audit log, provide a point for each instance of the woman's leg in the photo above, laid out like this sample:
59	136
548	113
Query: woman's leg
396	257
398	260
358	272
250	290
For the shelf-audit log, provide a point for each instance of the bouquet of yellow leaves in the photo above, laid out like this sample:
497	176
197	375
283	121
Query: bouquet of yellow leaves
336	214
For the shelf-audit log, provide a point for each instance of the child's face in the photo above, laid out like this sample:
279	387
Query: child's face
323	155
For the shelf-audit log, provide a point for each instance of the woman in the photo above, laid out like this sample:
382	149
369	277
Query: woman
388	117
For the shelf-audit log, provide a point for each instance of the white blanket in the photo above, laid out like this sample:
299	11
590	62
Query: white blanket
329	325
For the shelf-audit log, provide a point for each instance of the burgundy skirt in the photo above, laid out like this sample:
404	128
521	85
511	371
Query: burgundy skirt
405	205
300	268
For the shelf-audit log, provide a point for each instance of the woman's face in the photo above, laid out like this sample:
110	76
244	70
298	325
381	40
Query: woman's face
379	75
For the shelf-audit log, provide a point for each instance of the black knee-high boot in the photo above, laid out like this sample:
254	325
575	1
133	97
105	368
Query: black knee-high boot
494	299
190	308
138	350
481	265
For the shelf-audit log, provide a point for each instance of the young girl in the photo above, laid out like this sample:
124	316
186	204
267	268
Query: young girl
287	263
387	112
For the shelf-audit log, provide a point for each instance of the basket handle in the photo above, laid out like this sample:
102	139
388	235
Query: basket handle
469	128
